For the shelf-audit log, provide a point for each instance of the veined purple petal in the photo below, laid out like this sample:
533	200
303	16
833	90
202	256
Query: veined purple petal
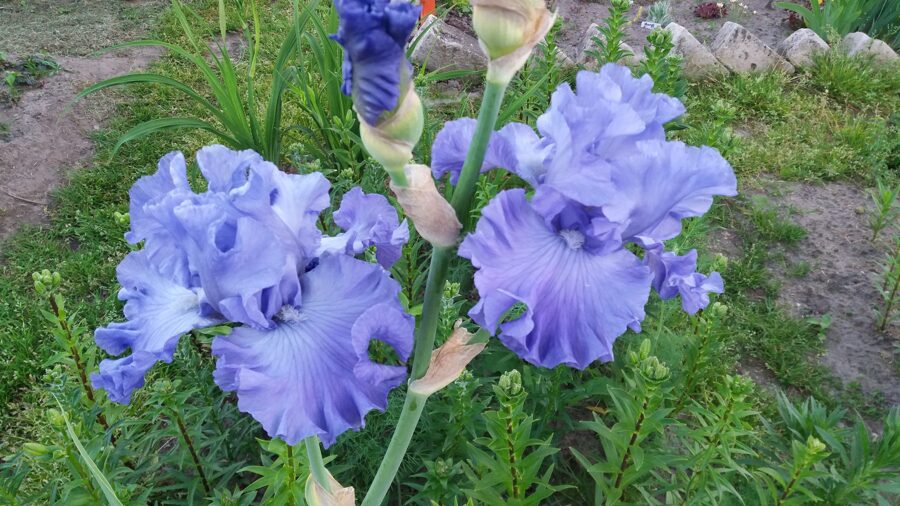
160	308
577	301
677	275
374	35
368	220
297	379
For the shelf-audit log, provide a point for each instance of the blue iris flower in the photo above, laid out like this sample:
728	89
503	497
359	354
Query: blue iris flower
248	251
603	176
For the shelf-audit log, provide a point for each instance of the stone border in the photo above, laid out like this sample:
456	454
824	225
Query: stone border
439	46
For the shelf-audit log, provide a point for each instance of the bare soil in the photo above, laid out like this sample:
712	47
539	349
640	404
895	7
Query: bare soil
845	272
47	136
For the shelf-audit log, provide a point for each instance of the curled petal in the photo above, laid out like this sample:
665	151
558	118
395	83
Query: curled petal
297	378
677	275
368	220
576	301
388	324
160	308
120	377
448	362
432	215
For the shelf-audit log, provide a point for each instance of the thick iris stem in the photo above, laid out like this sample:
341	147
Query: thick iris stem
317	463
434	287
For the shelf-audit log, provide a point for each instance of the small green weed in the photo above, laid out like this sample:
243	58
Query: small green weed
884	197
770	226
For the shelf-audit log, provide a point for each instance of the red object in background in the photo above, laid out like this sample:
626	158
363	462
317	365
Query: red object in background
427	7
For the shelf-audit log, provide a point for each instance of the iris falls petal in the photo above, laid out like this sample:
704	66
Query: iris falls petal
576	302
160	308
297	379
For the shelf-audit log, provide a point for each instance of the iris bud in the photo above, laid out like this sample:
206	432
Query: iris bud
508	30
55	418
392	140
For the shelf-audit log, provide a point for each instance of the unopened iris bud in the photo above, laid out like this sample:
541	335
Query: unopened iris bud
508	30
379	78
815	446
55	418
645	349
654	370
121	218
391	140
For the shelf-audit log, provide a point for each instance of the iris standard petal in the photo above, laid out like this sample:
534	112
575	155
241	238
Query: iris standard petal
165	188
515	147
288	204
297	378
225	169
367	220
246	271
159	308
576	303
660	184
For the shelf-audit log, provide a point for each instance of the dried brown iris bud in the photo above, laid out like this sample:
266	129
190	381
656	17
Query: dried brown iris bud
432	215
448	362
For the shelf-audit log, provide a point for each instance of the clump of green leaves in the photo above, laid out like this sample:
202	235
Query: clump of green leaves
608	44
889	287
884	197
661	65
506	466
231	105
659	12
639	415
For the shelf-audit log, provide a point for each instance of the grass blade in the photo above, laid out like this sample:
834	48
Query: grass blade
156	125
105	486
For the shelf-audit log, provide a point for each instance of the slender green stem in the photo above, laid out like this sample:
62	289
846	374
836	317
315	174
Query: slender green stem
487	119
406	426
434	287
317	463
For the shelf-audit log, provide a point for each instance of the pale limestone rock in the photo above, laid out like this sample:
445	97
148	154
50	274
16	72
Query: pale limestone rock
800	47
697	61
442	47
741	51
